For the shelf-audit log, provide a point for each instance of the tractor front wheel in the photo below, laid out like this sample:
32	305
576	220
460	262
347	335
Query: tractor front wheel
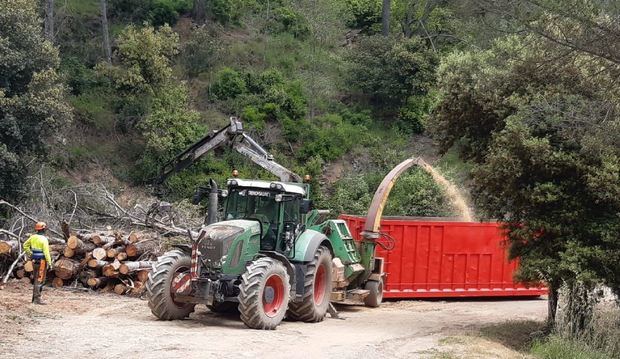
317	289
264	294
170	274
375	297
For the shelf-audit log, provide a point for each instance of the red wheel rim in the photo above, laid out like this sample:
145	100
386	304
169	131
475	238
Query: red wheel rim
273	295
319	285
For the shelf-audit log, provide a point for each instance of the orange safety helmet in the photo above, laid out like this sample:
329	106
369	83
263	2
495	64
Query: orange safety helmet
40	226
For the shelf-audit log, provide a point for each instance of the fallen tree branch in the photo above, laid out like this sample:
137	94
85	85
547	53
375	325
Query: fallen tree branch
3	202
8	273
9	233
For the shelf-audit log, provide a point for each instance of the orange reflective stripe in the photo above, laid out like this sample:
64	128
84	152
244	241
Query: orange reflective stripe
42	271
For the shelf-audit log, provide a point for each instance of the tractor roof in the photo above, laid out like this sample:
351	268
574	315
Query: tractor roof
271	185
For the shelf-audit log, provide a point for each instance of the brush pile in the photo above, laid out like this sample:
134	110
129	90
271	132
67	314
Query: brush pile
97	240
104	260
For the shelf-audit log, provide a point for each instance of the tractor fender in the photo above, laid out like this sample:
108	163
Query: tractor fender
307	244
287	264
185	248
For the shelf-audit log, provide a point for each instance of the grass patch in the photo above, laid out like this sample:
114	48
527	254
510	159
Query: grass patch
556	347
82	7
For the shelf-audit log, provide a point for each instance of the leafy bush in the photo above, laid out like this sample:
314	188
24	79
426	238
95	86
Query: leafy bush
228	84
413	114
390	72
168	129
200	51
415	194
287	20
327	137
228	12
79	77
154	12
363	14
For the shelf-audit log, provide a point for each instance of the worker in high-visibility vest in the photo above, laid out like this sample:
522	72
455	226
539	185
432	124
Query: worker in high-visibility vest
38	249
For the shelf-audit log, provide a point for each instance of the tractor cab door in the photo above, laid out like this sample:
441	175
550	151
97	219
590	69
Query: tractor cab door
291	223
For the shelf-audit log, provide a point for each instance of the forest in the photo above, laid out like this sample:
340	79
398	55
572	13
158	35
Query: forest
516	101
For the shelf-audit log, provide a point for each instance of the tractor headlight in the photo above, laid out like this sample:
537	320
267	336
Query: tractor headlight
278	198
233	183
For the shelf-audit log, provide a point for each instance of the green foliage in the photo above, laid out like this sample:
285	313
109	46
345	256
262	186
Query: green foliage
227	12
168	129
32	99
556	347
390	72
543	138
144	56
287	20
228	84
142	68
412	116
363	14
200	51
93	108
327	137
415	194
154	12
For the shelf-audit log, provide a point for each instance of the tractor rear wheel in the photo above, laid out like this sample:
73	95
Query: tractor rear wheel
264	294
375	297
317	289
170	273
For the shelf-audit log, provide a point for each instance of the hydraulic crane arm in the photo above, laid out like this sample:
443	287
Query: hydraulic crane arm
234	136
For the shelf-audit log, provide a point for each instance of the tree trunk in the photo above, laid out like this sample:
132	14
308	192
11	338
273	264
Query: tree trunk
8	247
137	249
68	252
113	252
109	271
199	12
552	303
28	266
97	282
49	20
143	275
385	18
66	268
130	267
85	276
121	256
20	273
106	32
96	263
120	289
57	282
99	253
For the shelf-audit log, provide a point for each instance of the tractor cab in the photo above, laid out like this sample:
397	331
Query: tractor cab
279	208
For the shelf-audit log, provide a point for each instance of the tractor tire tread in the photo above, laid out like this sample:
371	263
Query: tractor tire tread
306	310
158	288
250	297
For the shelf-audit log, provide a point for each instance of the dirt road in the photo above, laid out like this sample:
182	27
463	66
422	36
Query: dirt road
75	325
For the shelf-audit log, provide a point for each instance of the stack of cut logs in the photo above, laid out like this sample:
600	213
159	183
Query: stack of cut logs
108	261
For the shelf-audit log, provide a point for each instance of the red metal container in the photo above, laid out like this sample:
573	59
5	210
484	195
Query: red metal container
436	259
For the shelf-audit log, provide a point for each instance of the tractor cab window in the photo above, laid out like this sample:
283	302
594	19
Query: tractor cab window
249	203
291	210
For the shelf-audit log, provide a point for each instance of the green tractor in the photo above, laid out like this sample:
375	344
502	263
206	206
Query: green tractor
270	255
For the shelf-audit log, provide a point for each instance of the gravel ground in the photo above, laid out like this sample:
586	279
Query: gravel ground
76	324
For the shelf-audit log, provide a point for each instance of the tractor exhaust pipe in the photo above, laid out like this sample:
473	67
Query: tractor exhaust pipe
212	206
